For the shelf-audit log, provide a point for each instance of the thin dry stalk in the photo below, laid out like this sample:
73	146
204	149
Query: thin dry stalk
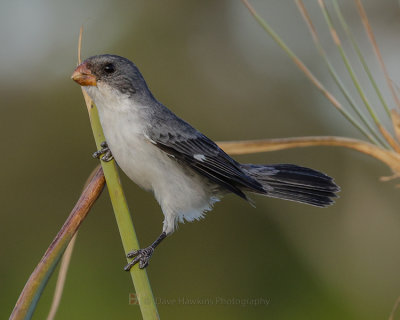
375	138
393	143
346	62
62	276
396	123
395	307
305	70
368	29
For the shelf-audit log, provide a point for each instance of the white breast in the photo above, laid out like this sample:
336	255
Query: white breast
181	193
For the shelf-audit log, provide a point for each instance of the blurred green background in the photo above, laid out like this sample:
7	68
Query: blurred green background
213	65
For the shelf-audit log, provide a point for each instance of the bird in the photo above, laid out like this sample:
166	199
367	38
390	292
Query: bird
186	171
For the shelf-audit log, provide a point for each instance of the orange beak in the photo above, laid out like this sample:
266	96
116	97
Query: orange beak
84	76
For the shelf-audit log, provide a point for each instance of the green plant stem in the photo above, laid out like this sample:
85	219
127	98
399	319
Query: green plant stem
306	71
360	55
128	236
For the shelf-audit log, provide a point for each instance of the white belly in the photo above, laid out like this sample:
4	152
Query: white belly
181	193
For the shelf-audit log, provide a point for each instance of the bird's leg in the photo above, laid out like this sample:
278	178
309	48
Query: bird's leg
105	151
143	255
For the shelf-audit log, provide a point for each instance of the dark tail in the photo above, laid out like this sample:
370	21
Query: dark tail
291	182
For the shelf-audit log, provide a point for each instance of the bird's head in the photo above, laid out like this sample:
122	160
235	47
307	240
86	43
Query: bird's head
111	72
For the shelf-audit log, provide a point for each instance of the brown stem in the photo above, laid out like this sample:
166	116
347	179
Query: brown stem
396	123
30	294
388	157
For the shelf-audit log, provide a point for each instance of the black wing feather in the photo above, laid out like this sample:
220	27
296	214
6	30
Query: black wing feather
215	164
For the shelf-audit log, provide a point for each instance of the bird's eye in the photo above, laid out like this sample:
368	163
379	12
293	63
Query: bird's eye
109	68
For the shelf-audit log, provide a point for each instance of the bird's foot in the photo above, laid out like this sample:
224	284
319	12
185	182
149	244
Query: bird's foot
104	153
141	255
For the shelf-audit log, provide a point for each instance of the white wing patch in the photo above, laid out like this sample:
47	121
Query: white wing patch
199	157
151	140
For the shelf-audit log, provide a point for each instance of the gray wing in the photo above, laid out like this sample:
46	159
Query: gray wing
193	149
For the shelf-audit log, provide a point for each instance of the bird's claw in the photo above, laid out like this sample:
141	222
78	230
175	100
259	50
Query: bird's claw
104	153
141	255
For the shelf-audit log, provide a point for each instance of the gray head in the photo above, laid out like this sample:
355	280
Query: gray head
117	72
